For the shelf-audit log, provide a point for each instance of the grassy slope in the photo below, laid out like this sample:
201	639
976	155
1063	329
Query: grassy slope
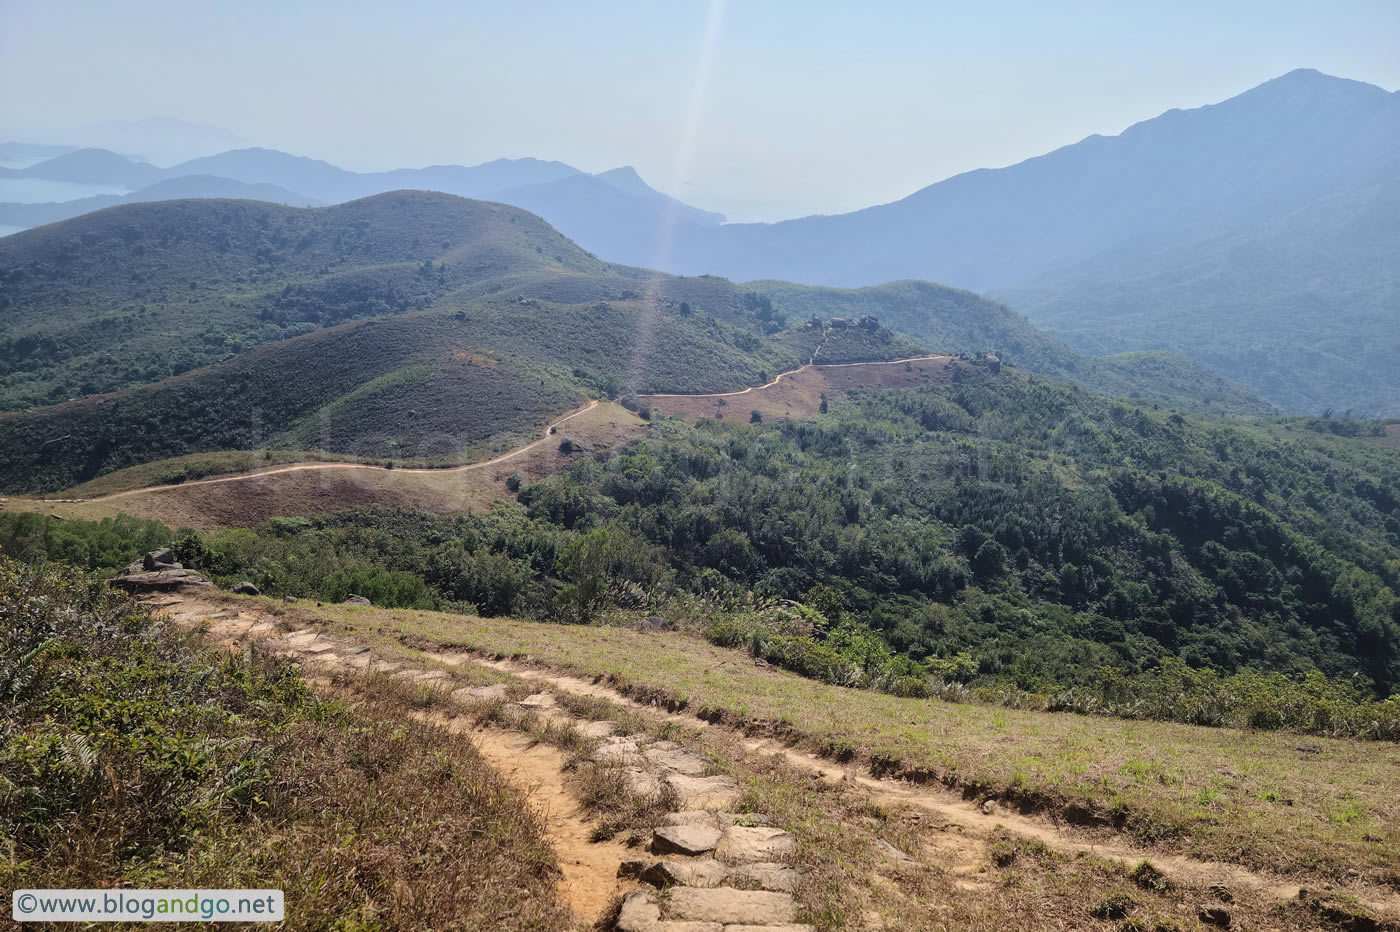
479	322
949	320
1250	798
134	757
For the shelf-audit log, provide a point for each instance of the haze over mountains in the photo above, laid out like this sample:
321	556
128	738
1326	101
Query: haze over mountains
1258	236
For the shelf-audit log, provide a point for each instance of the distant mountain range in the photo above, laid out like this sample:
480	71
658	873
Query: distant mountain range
1258	236
613	210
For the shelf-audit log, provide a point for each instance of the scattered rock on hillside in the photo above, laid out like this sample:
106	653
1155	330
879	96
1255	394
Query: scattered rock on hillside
245	588
654	623
357	600
156	558
290	599
1214	914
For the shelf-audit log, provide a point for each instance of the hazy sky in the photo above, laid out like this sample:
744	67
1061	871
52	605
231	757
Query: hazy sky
758	109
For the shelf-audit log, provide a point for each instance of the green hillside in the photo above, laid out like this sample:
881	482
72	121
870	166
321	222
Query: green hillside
951	320
412	327
415	327
1003	536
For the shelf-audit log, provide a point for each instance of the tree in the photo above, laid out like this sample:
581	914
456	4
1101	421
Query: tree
755	416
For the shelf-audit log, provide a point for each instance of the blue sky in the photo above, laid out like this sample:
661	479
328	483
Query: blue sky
761	110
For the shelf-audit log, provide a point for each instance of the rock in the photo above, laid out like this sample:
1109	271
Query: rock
665	745
727	905
743	845
538	701
639	912
620	752
1222	893
156	558
706	872
357	600
494	691
989	806
703	792
629	869
598	729
689	840
1213	914
765	876
679	761
290	600
890	851
162	580
654	623
245	588
642	782
691	817
727	819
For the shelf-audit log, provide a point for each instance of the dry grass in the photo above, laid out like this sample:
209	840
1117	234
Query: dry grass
1309	808
249	499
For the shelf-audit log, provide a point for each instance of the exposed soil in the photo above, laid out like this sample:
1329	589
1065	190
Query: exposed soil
798	393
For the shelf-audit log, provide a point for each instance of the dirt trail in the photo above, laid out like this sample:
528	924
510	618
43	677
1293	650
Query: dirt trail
590	867
792	372
446	470
957	820
954	830
302	467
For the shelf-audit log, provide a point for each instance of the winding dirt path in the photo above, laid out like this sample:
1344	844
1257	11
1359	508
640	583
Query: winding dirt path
484	464
302	467
791	372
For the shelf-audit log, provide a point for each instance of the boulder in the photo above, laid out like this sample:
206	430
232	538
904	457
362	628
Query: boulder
290	599
689	840
726	905
357	600
157	558
245	588
494	691
654	623
167	579
748	845
538	701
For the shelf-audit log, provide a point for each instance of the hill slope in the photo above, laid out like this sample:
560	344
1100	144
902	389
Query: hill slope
1124	234
950	318
388	311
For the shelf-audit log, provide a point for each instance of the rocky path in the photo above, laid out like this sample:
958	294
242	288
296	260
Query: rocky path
704	868
708	868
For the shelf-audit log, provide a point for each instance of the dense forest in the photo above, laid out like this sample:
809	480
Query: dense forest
1001	533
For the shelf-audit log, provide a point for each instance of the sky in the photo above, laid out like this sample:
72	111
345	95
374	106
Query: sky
759	109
